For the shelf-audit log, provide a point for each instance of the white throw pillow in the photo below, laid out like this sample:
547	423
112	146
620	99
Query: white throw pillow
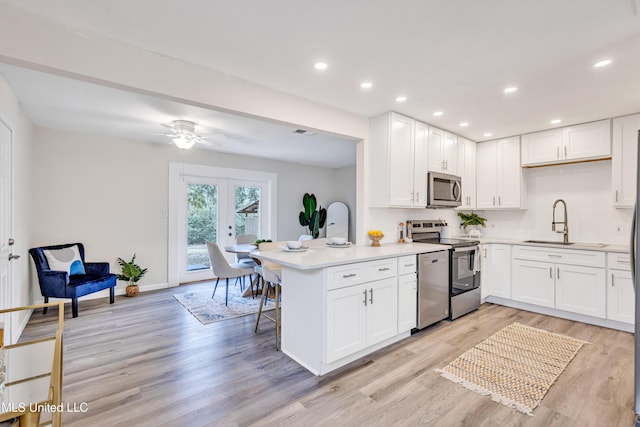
66	259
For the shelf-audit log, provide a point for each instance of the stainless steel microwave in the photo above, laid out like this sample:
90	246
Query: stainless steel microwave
443	190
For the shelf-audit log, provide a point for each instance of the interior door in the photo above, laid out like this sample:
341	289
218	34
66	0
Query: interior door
6	224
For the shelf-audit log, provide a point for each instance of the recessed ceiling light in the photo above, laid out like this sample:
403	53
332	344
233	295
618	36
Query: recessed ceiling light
366	85
401	99
602	63
321	65
488	134
464	124
511	89
555	121
438	113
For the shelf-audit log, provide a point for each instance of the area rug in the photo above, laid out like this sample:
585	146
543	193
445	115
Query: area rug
516	366
208	310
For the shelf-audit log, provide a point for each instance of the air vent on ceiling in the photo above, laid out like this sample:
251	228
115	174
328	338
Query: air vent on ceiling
304	132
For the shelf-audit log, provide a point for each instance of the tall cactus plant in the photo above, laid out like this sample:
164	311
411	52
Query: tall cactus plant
310	217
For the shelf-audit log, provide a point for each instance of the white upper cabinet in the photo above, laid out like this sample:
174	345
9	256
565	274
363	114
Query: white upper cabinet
499	183
588	141
443	151
398	159
467	171
624	160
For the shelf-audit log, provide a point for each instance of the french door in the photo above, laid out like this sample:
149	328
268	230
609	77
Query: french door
216	210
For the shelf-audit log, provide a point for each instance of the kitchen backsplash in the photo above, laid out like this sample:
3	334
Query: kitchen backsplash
585	187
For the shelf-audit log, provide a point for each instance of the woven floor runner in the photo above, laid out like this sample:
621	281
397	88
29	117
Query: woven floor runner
516	366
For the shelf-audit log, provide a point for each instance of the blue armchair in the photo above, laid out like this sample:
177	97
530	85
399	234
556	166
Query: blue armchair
85	277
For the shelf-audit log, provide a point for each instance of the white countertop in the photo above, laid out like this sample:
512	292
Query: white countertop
576	245
321	257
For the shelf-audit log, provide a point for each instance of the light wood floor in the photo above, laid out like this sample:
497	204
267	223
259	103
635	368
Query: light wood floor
146	361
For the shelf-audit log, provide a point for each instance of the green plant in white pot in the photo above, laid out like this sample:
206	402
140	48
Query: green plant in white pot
470	223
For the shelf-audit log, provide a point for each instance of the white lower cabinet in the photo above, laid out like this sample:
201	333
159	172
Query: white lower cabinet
407	302
533	282
581	290
495	279
620	293
362	315
560	283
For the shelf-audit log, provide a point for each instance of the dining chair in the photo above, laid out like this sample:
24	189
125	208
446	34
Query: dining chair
223	270
271	274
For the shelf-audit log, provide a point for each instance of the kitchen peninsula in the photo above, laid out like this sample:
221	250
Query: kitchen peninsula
340	304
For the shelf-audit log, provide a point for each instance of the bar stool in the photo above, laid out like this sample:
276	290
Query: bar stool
271	279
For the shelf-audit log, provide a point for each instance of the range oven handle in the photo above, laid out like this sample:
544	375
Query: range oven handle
466	249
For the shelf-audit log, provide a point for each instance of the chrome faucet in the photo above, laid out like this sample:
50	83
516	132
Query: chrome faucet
565	223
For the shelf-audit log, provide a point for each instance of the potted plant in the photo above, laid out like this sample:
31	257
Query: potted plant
470	223
131	273
310	217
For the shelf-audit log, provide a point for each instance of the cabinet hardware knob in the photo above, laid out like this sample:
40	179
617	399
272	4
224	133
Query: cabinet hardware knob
384	269
612	278
550	272
409	265
558	272
616	196
370	299
494	200
346	276
365	297
499	201
554	256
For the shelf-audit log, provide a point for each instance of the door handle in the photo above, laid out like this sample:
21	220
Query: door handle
12	257
11	242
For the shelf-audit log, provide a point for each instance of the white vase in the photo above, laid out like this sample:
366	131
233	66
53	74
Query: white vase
472	231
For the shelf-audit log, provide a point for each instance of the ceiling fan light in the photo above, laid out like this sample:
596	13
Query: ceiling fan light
183	142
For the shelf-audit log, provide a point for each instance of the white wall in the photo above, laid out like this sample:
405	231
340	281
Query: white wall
12	115
111	194
586	187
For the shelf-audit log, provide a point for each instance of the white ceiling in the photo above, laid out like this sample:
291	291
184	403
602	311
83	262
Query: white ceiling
455	56
61	103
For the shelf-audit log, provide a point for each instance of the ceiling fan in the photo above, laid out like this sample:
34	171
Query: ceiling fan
184	134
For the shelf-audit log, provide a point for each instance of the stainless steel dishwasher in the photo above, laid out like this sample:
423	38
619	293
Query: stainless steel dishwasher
433	288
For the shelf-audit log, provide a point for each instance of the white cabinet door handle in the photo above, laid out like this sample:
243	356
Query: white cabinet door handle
616	196
346	276
558	272
612	284
365	297
558	153
371	299
550	272
565	151
384	269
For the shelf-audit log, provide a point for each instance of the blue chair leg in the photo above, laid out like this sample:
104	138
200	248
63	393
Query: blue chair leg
226	297
74	307
216	287
44	310
112	295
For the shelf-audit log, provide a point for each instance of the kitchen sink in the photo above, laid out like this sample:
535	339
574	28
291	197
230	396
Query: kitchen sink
553	242
548	242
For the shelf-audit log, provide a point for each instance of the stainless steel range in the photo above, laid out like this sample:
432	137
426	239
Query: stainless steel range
464	267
